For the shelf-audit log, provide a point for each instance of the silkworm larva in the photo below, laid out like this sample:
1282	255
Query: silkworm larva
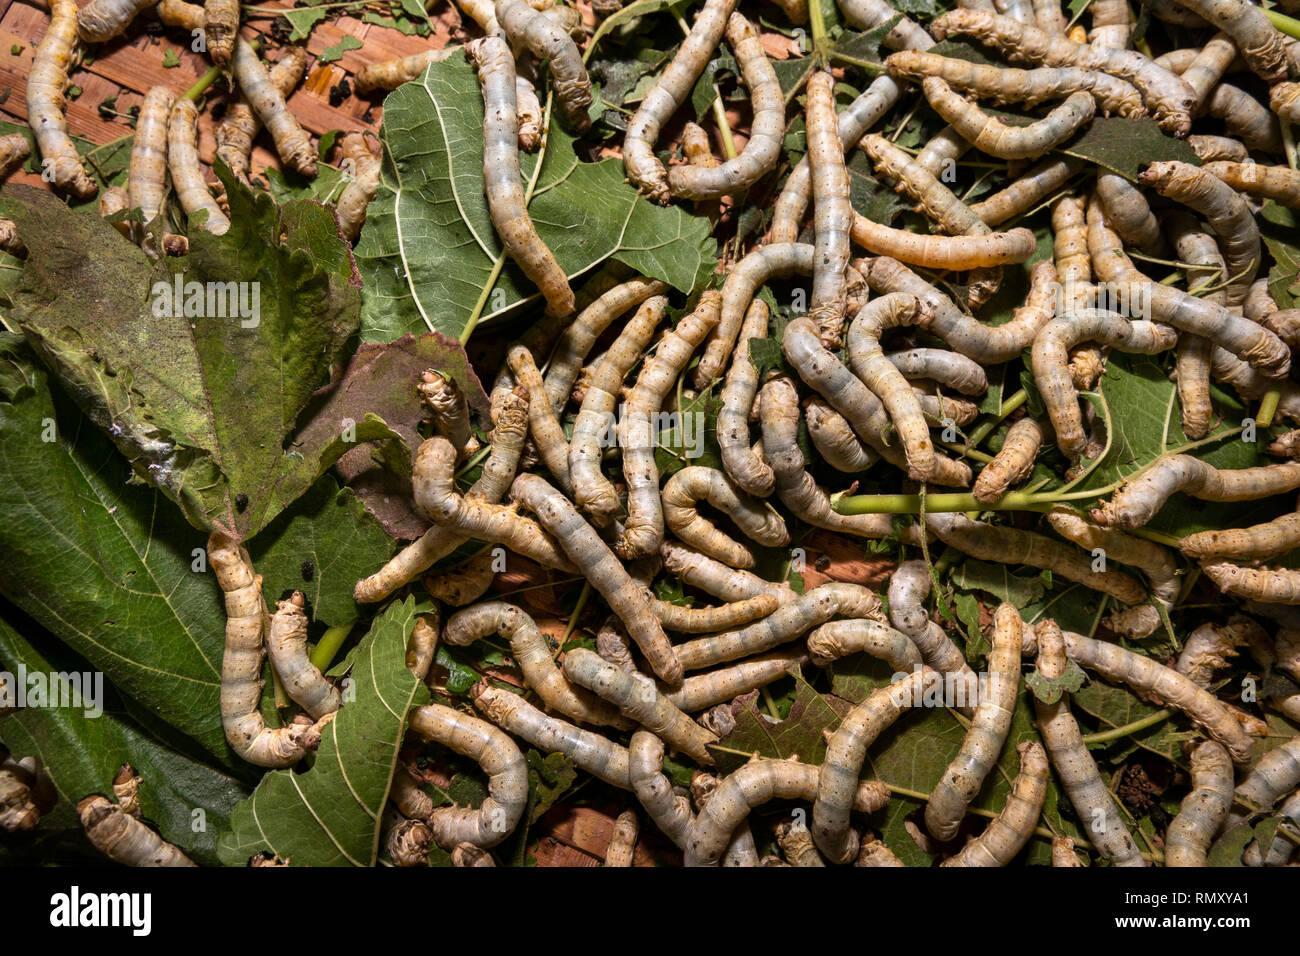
726	683
187	173
1165	94
1206	69
706	620
1093	804
637	698
482	12
1227	213
1008	832
622	841
241	666
768	126
1168	11
126	790
1013	462
390	74
832	210
1212	149
715	578
1280	853
1245	118
1210	648
944	253
939	410
590	752
949	369
14	148
1111	24
988	542
869	14
286	645
1284	100
1138	500
669	811
1129	214
220	27
500	759
797	844
1278	183
599	566
1250	384
576	341
694	483
1049	18
548	434
46	82
964	334
239	127
147	176
909	586
833	438
670	90
1051	356
962	781
1255	543
1063	854
1195	354
1028	87
291	141
124	839
788	622
1277	773
1203	811
1264	49
501	179
422	645
1261	348
753	785
1266	585
876	854
638	431
465	583
830	642
846	749
550	42
1028	191
18	809
101	20
449	409
362	188
1150	558
407	842
593	492
744	466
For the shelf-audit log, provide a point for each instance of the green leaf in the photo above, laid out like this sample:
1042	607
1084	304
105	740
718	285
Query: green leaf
285	185
460	676
185	800
693	437
205	406
1118	707
1278	226
105	565
765	354
998	580
170	60
1126	146
304	20
1050	689
334	53
428	247
330	815
107	162
1231	844
800	734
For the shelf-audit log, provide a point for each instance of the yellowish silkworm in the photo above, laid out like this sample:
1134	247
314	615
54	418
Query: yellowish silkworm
830	642
694	483
549	41
220	28
874	853
363	186
703	691
548	434
990	135
286	646
1111	24
832	210
669	811
124	839
1012	464
1205	272
834	439
715	578
944	253
1063	854
1008	832
1278	183
239	127
14	148
706	620
1212	149
464	584
1266	585
101	20
909	586
622	842
187	173
422	645
1129	214
1203	810
1284	100
1265	50
1151	559
291	141
46	81
390	74
147	176
743	465
1025	193
1138	500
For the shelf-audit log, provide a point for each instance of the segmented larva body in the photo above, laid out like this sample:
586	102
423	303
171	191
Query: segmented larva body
846	749
422	645
1278	183
1093	804
124	839
1011	545
1063	854
1203	811
407	842
696	147
1264	49
482	12
1028	191
1137	502
673	86
534	658
18	809
1150	558
909	586
788	622
715	578
464	584
101	20
832	210
500	759
1028	87
944	253
962	781
1194	360
830	642
14	148
1049	18
948	369
1168	11
576	341
1277	773
1212	149
286	645
637	698
1129	214
743	465
990	135
241	666
693	484
1051	356
187	173
593	492
834	439
726	683
239	127
764	147
221	27
1253	344
1012	464
1282	850
291	141
1245	118
390	74
1165	94
869	14
1208	66
939	410
669	811
622	841
797	844
638	432
1284	100
1111	24
753	785
543	425
1266	585
1255	543
361	190
874	853
147	176
590	752
1211	647
706	620
1008	832
550	41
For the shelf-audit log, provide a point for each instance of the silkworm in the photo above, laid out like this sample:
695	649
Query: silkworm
1261	348
593	492
1245	118
1169	11
1051	355
1063	854
638	430
1008	832
622	841
637	699
875	854
239	126
1278	183
869	14
706	620
18	809
1195	354
670	812
1028	191
743	465
1111	24
694	483
909	586
1080	778
1255	543
390	74
1154	561
988	542
1277	772
241	666
482	12
14	148
464	584
1210	647
449	409
1165	94
833	438
670	90
1284	100
220	28
1028	87
45	84
767	127
422	645
797	844
362	188
590	752
832	210
1206	69
1129	214
1266	585
944	253
715	578
846	749
1211	149
291	141
1264	49
548	41
407	841
751	786
1203	810
830	642
1048	17
101	20
548	434
147	175
501	180
124	839
1282	849
507	771
948	369
1138	500
286	645
599	566
1012	464
703	691
187	173
990	135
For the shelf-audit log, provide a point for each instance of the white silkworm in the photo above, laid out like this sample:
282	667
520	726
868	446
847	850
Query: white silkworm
361	189
1008	832
948	369
874	853
1210	648
743	465
1195	354
1028	191
1203	810
1138	500
220	28
291	141
1266	585
1245	118
1284	100
990	135
1264	49
124	839
548	41
909	586
286	646
1012	464
240	125
390	74
832	210
944	253
422	645
715	578
187	173
830	642
833	438
101	20
499	813
1211	149
1129	214
1049	18
147	176
1111	24
694	483
1150	558
1256	543
548	434
869	14
669	811
622	842
703	691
